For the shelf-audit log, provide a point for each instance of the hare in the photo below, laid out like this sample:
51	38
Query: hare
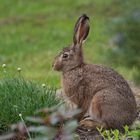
102	94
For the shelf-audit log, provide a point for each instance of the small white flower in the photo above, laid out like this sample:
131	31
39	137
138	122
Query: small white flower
20	115
43	85
19	69
3	65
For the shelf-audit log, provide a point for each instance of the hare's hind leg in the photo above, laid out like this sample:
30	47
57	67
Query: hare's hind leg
111	109
94	116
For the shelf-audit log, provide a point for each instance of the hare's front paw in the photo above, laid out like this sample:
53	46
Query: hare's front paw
90	124
59	93
68	104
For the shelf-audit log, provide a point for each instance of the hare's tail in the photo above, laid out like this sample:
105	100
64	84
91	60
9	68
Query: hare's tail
136	90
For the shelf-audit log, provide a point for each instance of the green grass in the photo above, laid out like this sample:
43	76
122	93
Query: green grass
115	134
33	32
18	96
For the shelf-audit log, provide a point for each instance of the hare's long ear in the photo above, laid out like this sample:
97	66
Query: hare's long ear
81	29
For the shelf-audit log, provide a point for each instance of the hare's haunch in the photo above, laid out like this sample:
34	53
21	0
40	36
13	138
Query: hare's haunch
102	94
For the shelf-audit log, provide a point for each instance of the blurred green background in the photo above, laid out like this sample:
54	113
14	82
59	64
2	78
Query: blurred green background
32	32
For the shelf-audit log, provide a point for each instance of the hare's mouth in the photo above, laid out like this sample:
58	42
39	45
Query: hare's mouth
56	67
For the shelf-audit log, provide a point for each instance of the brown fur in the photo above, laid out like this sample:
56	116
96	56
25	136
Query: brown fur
102	94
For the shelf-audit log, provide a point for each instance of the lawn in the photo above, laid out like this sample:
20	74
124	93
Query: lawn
33	32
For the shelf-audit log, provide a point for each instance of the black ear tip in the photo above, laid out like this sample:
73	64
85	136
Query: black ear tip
85	16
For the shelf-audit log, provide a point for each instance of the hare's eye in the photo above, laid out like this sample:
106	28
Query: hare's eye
65	55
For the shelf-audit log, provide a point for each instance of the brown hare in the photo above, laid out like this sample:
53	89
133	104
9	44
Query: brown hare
103	95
